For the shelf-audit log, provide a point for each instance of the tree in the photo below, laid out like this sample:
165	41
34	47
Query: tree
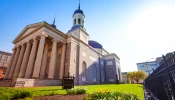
137	75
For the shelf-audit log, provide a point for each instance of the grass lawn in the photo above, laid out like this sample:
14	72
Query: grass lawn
51	90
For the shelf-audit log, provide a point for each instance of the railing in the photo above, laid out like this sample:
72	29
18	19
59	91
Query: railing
161	83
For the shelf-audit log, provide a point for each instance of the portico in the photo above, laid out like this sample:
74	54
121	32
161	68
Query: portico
38	58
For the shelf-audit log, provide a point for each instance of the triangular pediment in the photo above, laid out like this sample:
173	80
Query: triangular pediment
28	30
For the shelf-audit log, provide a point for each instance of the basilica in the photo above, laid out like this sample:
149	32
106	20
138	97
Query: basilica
43	55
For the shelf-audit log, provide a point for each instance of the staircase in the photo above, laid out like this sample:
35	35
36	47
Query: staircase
39	82
30	82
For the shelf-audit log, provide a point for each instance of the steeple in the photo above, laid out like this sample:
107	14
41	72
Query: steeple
53	25
54	21
79	5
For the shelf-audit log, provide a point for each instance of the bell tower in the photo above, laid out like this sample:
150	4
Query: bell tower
78	19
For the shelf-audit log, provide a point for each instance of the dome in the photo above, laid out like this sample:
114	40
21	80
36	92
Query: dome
78	11
95	44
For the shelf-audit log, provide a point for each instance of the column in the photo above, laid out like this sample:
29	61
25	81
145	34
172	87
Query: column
31	61
39	57
14	64
18	65
62	61
52	60
25	60
10	64
44	62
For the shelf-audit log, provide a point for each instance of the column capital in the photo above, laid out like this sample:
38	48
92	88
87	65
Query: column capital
54	40
14	49
34	38
30	41
44	34
24	44
17	46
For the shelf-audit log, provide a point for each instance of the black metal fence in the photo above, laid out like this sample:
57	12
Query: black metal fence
162	81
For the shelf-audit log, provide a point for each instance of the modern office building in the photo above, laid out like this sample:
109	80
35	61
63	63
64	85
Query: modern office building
149	66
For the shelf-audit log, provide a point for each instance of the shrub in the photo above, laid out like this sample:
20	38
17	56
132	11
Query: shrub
77	90
21	94
112	95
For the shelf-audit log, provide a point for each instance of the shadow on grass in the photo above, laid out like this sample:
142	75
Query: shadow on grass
140	86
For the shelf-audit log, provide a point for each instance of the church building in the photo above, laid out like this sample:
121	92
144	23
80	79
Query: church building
43	55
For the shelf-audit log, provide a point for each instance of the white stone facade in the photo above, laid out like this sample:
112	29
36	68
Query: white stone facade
42	52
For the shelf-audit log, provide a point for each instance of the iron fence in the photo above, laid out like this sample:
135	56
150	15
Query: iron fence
162	81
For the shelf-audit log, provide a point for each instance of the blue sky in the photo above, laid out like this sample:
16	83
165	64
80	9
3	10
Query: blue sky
135	30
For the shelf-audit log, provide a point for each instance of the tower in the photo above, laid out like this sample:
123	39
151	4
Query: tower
78	19
78	28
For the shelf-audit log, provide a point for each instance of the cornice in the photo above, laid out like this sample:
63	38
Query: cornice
79	40
55	30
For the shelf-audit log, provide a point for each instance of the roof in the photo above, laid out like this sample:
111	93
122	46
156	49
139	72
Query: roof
95	44
146	62
5	53
38	26
78	10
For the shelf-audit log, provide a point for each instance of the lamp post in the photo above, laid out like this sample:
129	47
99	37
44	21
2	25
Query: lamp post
147	70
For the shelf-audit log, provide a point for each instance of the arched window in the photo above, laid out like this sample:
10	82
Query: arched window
74	21
84	69
79	21
83	22
102	73
94	71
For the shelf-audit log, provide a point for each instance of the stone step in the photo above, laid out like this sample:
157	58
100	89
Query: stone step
39	82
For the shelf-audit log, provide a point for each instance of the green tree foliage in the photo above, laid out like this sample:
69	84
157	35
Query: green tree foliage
137	75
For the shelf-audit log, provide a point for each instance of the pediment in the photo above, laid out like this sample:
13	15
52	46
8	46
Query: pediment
27	31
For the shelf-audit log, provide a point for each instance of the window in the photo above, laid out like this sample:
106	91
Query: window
94	71
119	74
74	21
84	69
5	56
109	63
83	22
102	72
79	21
3	72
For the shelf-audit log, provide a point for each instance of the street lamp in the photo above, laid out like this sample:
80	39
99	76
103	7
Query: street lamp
147	70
